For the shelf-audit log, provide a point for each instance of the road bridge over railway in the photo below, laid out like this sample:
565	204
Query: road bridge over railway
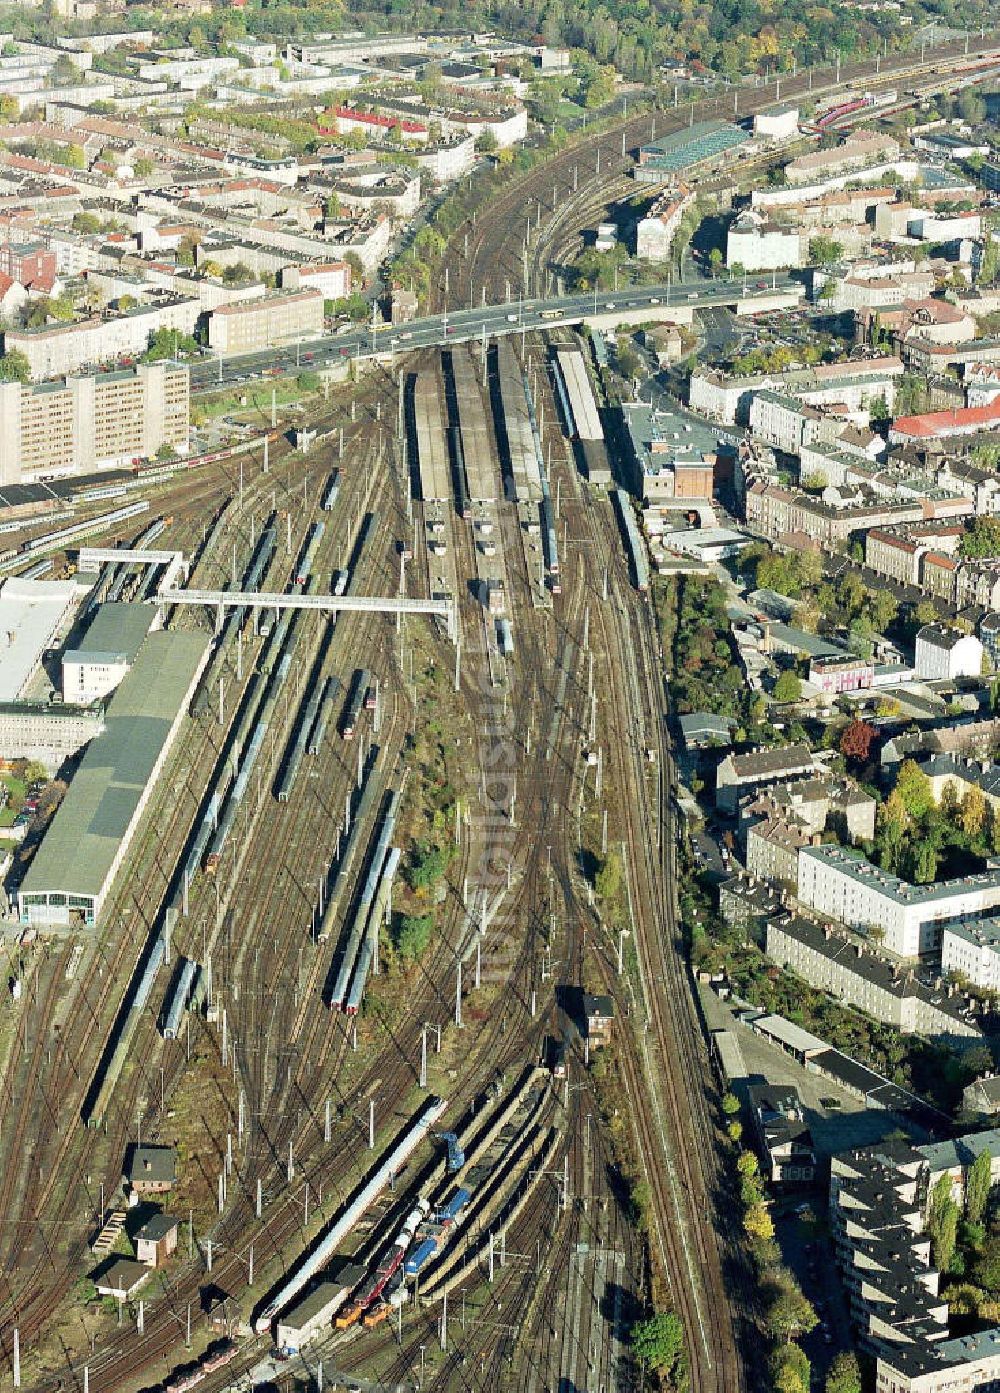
673	300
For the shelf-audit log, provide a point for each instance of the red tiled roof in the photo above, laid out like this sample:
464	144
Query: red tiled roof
932	423
373	118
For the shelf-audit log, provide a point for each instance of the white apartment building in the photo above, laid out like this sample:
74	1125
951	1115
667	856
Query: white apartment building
785	422
655	233
757	244
851	971
944	653
63	349
54	429
972	947
190	73
841	885
445	159
852	384
259	324
332	279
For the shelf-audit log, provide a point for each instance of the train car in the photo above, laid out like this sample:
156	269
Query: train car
371	695
54	541
314	743
634	545
349	1316
190	1375
331	492
391	1260
375	1316
462	504
505	638
420	1256
551	547
355	700
180	999
452	1207
304	568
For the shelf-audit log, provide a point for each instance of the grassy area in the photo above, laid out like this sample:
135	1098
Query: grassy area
16	794
254	399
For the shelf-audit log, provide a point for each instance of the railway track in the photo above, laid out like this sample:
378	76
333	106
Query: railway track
487	252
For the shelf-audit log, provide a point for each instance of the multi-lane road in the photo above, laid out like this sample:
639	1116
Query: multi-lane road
458	326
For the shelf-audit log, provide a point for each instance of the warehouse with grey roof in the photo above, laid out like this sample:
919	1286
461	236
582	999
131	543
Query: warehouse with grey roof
71	875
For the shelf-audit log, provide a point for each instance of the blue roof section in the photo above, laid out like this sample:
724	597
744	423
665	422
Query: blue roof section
702	141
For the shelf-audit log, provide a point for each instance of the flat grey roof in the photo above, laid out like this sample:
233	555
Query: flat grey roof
117	628
79	848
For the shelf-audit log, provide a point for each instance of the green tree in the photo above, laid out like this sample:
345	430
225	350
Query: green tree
658	1342
14	366
914	789
787	687
730	1104
824	251
789	1312
414	935
942	1223
144	167
844	1375
790	1370
427	865
982	540
977	1187
987	1266
884	608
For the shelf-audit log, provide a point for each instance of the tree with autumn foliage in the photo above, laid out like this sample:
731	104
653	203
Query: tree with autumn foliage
857	740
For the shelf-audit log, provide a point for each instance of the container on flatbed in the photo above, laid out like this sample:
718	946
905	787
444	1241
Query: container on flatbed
420	1255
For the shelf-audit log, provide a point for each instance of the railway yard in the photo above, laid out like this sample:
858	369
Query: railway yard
246	996
344	966
349	1037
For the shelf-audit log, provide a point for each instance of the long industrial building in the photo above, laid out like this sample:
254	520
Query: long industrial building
71	875
90	422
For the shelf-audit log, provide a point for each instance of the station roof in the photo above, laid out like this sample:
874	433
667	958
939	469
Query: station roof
687	147
30	613
78	851
117	628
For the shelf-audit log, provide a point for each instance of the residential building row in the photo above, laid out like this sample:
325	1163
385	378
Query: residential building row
879	1201
82	423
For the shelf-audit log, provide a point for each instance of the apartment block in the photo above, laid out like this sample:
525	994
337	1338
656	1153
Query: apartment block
971	947
738	774
894	555
842	885
943	653
850	970
259	324
783	421
813	802
66	348
773	847
83	423
654	234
